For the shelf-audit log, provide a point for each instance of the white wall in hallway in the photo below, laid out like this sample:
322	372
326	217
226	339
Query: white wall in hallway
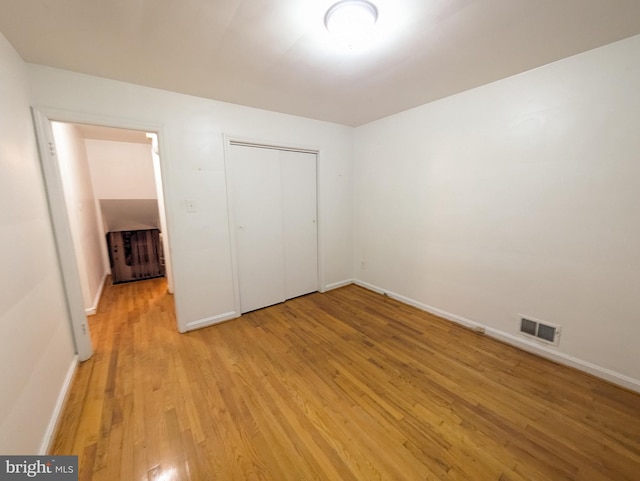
81	206
121	170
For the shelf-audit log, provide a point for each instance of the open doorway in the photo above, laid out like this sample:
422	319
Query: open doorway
102	180
111	178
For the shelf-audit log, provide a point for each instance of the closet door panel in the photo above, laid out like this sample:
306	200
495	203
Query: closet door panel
257	204
299	204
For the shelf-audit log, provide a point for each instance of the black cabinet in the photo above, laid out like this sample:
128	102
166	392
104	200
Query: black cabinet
135	255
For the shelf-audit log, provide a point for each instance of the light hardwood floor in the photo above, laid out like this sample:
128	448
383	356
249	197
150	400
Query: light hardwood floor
347	385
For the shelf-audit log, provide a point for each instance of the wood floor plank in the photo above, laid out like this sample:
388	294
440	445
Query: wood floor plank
347	385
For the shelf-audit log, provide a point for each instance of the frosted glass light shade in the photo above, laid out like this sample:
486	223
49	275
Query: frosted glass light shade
351	19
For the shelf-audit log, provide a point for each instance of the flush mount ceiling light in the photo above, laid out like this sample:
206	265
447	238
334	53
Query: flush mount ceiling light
351	20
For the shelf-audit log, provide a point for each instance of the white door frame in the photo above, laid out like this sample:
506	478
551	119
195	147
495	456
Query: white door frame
228	141
42	118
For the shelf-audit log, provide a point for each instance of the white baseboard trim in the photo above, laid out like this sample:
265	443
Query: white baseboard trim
524	344
45	445
337	285
567	360
209	321
91	311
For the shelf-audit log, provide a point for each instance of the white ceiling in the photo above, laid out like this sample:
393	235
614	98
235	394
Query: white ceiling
95	132
276	54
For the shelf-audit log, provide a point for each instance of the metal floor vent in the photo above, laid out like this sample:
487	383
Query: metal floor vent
540	330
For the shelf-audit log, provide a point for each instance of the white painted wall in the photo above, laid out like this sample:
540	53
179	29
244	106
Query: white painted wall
127	178
121	170
519	197
83	217
36	348
192	154
162	215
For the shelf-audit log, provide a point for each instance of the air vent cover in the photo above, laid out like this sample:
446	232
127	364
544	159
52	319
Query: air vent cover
540	330
528	327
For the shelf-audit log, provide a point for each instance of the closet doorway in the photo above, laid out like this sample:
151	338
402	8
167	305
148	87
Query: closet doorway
273	194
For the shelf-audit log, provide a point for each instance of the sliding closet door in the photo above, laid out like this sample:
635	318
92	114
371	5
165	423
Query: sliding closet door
274	203
299	202
257	204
